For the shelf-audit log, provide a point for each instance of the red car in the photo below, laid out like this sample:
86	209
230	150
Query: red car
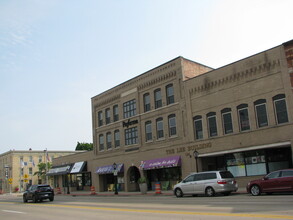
277	181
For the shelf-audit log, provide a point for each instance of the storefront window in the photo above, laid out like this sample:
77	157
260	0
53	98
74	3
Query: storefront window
255	162
278	158
236	164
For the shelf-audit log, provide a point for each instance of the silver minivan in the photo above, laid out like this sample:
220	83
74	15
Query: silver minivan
208	183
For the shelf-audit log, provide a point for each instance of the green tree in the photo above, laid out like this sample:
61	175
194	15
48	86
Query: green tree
41	173
84	146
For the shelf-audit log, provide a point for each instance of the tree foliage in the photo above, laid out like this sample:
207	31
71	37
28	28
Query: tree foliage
84	146
41	173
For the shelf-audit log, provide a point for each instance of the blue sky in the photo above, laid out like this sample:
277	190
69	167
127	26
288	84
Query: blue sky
57	54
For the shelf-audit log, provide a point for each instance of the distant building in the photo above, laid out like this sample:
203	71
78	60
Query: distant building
183	117
19	167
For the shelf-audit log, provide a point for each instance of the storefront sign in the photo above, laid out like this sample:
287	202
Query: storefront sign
59	170
189	148
172	161
128	123
109	169
77	167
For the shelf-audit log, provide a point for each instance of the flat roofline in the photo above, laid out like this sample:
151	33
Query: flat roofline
179	57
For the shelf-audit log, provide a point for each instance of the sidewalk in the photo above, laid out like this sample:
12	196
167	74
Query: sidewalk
149	193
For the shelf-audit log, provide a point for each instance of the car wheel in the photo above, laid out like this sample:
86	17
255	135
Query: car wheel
255	190
178	192
210	192
35	199
24	199
51	199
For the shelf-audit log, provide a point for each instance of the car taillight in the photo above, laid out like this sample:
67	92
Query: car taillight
222	182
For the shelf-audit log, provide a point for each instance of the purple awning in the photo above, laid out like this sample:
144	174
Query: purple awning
109	169
172	161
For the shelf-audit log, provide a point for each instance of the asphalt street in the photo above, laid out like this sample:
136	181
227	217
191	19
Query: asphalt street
235	206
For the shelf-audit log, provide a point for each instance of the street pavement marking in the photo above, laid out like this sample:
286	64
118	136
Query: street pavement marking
170	212
12	211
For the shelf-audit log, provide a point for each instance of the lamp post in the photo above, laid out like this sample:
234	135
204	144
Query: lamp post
195	154
115	177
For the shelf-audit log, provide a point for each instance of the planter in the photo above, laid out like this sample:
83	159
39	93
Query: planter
143	188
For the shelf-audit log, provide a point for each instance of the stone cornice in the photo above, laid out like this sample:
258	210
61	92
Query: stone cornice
209	83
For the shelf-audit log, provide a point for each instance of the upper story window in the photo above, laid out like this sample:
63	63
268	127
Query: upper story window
280	109
129	108
108	116
131	136
117	138
261	113
31	159
170	94
227	120
115	113
101	142
158	98
148	131
172	125
212	124
30	171
146	102
243	117
100	118
160	128
109	140
198	131
40	159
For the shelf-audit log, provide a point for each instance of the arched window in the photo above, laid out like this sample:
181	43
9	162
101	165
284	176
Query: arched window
160	128
172	125
148	131
198	131
280	109
146	102
158	98
170	94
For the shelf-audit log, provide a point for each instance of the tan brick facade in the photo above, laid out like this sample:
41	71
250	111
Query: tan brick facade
20	164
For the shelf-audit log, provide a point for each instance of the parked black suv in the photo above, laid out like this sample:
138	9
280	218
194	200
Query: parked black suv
38	193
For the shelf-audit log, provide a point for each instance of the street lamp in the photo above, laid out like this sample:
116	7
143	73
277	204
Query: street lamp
115	177
195	154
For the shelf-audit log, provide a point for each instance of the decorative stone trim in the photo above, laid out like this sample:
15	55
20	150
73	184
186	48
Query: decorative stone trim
208	84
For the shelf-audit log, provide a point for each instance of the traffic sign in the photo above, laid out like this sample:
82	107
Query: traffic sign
25	176
10	180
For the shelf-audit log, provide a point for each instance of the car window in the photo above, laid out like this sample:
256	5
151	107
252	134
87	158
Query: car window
287	173
208	176
273	175
226	174
189	179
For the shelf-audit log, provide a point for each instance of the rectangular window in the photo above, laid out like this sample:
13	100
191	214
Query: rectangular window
281	111
129	108
170	94
148	131
131	136
158	98
30	171
40	159
198	129
147	102
117	138
101	142
261	115
31	159
172	125
212	125
160	128
227	123
100	118
243	119
115	113
108	116
109	140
